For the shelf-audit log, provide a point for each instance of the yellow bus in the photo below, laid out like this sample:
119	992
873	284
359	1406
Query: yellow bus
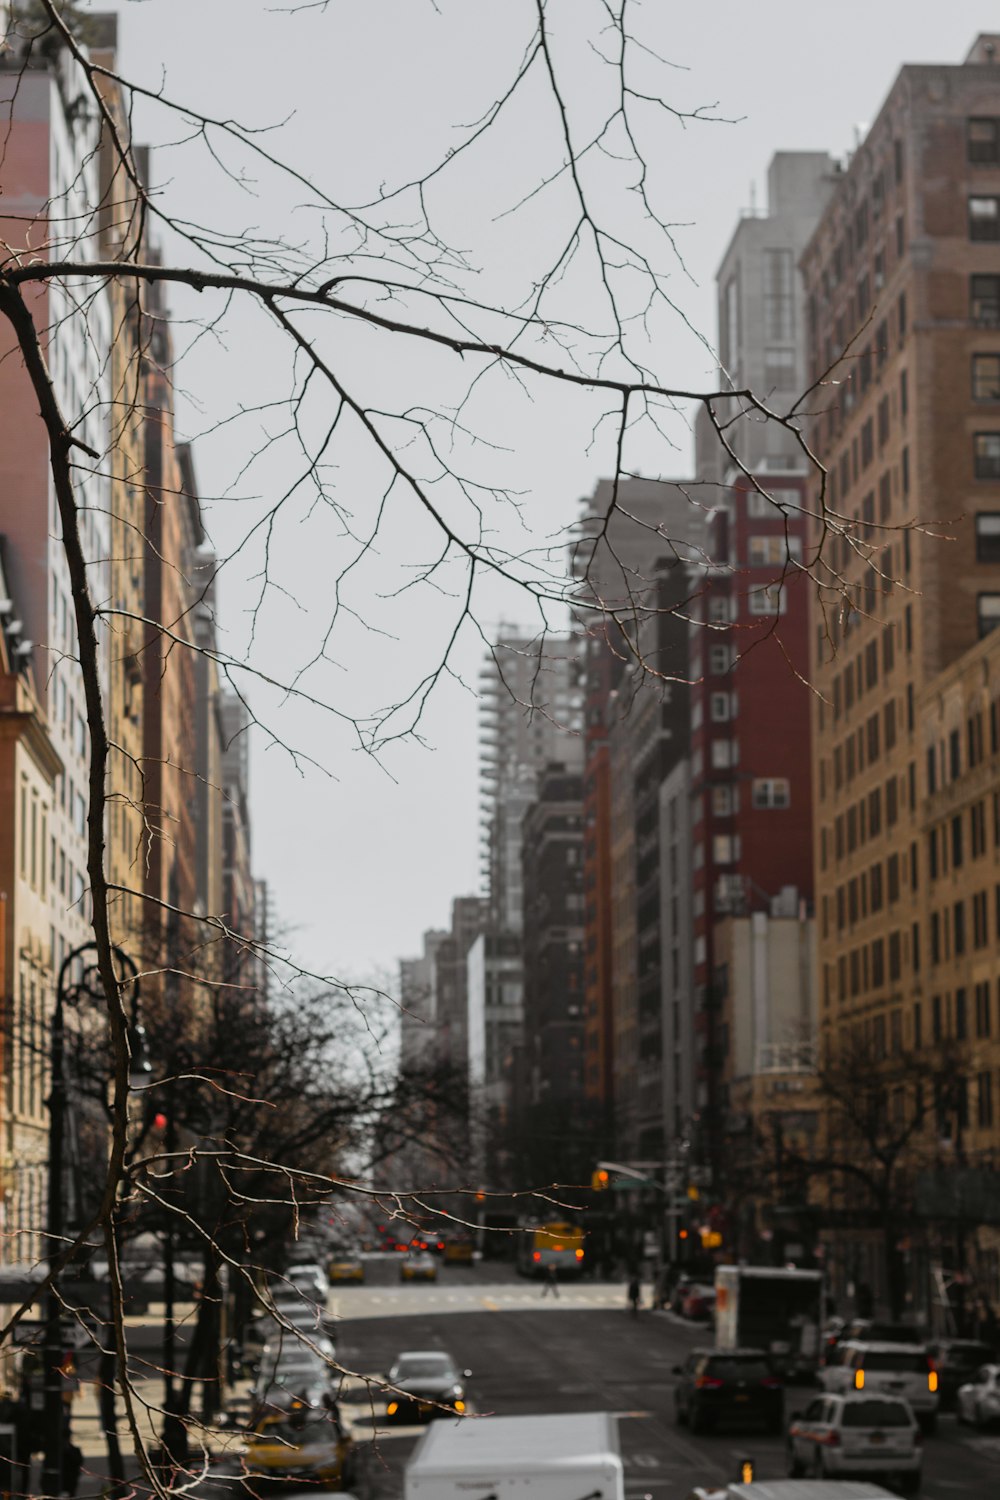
554	1242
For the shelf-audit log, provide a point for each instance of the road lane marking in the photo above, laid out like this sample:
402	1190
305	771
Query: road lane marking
490	1305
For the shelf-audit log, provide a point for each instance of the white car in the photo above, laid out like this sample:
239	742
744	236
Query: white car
311	1280
860	1435
979	1401
905	1370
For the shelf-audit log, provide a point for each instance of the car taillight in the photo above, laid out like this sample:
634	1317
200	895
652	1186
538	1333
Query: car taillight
708	1383
537	1255
771	1383
579	1255
830	1439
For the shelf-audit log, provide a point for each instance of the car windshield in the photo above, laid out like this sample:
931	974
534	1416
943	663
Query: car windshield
895	1359
876	1414
733	1368
423	1367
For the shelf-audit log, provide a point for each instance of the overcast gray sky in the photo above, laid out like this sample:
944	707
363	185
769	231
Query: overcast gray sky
362	856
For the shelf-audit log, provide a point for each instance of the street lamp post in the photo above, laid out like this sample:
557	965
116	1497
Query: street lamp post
88	987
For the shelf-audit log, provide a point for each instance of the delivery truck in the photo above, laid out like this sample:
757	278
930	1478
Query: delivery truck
772	1308
533	1458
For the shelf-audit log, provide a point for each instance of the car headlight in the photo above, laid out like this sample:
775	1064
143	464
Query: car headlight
457	1393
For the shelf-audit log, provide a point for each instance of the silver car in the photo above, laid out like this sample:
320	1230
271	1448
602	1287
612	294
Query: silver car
857	1436
978	1402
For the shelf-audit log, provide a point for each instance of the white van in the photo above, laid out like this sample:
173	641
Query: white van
518	1458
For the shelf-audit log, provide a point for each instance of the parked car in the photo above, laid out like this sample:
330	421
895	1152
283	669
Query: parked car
905	1370
419	1265
957	1362
736	1384
426	1383
978	1401
857	1435
698	1303
311	1280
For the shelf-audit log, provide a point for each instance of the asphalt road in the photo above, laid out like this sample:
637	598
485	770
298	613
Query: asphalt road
584	1352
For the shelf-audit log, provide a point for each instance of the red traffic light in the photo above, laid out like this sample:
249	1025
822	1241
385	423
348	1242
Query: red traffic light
159	1122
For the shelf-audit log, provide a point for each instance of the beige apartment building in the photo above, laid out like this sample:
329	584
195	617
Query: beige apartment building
903	301
958	1012
903	304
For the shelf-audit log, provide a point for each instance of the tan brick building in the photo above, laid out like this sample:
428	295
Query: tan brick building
959	1006
903	303
898	275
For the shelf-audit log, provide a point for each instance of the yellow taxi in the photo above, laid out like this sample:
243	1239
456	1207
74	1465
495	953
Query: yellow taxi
300	1442
418	1266
346	1268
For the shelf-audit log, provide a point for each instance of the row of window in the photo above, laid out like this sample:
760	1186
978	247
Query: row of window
963	925
952	1018
863	746
861	674
862	821
866	894
946	844
945	757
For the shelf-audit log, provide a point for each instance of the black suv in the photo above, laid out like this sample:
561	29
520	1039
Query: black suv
734	1384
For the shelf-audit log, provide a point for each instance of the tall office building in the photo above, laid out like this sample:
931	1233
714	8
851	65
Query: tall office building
903	288
621	574
530	713
761	321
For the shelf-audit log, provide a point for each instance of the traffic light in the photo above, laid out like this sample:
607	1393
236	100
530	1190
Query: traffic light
599	1180
682	1234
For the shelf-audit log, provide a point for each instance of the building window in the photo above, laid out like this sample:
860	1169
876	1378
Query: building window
772	791
724	754
988	537
720	660
779	297
984	1099
986	447
719	612
724	801
986	377
984	300
774	551
983	139
725	849
984	218
779	369
767	601
983	1018
721	708
988	612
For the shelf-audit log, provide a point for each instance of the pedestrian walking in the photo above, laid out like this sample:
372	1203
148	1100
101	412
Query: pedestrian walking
633	1293
551	1283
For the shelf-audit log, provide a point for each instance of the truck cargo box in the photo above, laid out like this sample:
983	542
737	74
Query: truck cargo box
535	1458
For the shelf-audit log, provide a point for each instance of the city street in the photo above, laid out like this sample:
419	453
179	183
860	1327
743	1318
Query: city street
584	1352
